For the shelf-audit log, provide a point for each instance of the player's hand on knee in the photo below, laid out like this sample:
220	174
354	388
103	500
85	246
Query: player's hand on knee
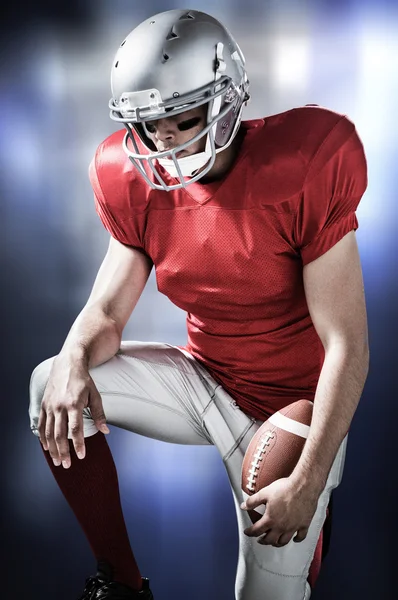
69	390
289	508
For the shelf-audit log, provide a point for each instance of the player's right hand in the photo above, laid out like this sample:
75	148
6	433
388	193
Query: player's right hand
69	390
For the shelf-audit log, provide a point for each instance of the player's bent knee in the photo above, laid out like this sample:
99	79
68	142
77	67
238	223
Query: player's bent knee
38	382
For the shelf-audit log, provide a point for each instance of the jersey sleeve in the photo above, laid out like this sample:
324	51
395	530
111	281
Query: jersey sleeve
335	182
110	209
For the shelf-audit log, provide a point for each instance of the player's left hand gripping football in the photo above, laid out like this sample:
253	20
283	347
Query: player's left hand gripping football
290	508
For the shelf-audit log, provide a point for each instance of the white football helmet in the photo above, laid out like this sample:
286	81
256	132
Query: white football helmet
173	62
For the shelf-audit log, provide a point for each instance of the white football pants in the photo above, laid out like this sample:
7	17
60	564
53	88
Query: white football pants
162	392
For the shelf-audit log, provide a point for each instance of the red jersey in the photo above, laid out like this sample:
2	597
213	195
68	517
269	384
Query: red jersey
231	253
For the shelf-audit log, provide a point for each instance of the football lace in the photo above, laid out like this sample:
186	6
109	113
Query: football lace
257	458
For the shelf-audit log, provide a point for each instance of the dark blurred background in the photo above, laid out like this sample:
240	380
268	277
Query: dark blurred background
55	73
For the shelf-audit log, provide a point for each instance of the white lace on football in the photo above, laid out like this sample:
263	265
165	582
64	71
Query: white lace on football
257	458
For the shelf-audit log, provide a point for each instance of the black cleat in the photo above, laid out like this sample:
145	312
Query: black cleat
101	587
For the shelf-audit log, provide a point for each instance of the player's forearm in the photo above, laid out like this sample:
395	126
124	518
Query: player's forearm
338	392
93	339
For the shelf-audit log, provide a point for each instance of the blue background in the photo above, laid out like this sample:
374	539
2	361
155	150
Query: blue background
55	73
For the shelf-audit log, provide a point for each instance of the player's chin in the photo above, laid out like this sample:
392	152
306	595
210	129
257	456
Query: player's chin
177	155
190	150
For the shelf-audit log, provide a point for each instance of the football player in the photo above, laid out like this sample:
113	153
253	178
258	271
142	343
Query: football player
250	226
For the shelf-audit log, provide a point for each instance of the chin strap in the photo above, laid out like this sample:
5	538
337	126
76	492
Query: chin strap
188	164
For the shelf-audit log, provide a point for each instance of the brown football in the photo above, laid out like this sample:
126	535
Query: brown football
274	450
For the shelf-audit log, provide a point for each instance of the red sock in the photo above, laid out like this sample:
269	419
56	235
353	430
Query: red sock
91	488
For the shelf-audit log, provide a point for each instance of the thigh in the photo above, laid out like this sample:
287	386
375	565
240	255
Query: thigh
153	389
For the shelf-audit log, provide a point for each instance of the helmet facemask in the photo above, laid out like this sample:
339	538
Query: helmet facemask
219	131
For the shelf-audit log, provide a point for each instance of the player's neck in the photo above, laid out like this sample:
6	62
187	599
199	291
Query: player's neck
224	160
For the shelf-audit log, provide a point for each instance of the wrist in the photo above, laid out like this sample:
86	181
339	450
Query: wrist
308	480
74	354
